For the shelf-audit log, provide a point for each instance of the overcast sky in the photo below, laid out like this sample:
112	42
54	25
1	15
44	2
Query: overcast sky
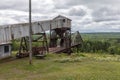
86	15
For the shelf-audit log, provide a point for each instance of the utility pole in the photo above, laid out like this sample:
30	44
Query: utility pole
30	34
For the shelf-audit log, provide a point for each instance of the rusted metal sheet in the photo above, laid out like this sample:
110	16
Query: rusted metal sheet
16	31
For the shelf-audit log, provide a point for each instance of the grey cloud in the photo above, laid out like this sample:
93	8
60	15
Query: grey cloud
77	12
102	19
106	11
89	3
14	4
86	15
106	14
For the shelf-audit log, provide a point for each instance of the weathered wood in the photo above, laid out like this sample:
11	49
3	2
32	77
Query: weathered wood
15	31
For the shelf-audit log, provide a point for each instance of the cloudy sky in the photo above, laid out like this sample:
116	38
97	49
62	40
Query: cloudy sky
86	15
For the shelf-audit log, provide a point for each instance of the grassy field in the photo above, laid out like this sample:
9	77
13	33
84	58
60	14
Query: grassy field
83	66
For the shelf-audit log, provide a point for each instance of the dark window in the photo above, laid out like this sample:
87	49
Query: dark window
6	49
64	20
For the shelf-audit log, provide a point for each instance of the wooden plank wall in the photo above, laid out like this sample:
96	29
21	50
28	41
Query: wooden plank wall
15	31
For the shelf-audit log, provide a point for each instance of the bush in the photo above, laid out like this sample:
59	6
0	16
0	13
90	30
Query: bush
15	45
95	46
112	50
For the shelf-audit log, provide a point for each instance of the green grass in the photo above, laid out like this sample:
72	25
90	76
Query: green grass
83	66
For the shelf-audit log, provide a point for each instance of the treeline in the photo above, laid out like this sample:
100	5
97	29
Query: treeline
112	47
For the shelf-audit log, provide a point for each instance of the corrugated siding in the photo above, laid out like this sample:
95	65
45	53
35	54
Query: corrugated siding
5	34
16	31
46	25
35	28
1	35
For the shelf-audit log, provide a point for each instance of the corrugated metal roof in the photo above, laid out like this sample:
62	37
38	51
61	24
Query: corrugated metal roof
61	17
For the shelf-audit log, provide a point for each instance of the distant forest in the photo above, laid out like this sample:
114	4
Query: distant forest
101	43
103	35
92	43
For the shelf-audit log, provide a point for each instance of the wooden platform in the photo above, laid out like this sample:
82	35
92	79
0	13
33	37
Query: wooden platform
60	49
56	49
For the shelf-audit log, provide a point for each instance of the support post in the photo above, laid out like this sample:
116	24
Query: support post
50	36
70	43
30	34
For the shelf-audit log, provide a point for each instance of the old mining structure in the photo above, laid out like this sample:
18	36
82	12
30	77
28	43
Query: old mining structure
60	38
